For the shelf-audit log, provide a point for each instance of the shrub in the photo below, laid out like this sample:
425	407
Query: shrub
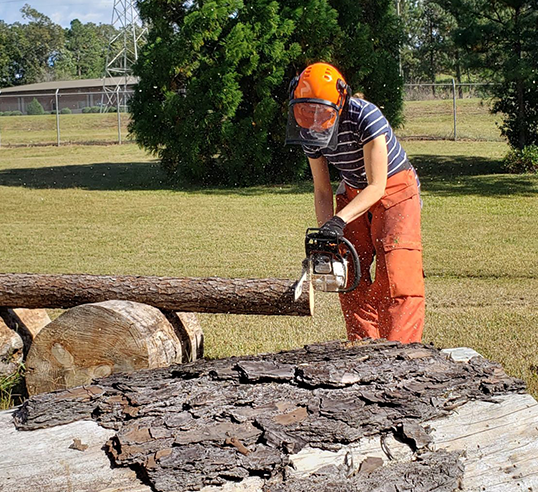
232	132
523	160
34	107
87	109
66	111
95	109
15	113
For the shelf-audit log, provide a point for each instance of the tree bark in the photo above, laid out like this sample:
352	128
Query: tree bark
96	340
208	295
333	416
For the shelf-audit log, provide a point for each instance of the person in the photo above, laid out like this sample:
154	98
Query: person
377	202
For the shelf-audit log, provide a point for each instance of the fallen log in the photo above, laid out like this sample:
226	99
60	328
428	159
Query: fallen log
11	350
203	295
96	340
27	323
377	416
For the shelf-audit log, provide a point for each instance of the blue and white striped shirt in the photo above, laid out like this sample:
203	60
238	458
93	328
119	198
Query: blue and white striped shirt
361	121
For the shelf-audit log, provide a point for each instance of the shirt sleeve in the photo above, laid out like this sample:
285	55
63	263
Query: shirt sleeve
312	152
372	124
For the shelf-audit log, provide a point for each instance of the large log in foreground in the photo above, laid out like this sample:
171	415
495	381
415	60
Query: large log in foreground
327	417
203	295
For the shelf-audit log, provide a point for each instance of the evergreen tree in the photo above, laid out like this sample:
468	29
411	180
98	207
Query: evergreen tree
501	37
34	107
212	99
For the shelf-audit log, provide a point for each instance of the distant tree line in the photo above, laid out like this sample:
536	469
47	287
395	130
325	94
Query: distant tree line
214	74
39	50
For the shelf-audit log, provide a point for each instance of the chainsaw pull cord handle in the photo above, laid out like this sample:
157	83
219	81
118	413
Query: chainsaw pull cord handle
356	265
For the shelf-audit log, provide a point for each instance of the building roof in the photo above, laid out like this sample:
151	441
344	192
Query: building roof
69	84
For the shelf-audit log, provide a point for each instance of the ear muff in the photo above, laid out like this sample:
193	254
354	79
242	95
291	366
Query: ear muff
343	89
293	86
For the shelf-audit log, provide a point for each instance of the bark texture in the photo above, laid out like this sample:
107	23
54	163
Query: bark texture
221	421
203	295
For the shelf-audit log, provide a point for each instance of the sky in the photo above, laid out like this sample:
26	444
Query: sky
61	12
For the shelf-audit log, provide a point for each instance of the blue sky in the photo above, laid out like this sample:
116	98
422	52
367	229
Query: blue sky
61	12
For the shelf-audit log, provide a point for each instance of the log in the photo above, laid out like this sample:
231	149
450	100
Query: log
96	340
26	322
208	295
11	350
377	416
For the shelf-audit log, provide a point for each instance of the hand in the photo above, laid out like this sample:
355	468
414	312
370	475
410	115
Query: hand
334	227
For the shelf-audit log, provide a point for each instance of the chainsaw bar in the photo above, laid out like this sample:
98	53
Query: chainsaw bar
301	281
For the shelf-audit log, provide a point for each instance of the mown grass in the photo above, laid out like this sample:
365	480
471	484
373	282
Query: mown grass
435	119
74	128
110	210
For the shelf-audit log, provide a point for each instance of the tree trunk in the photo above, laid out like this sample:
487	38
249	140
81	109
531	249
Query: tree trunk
366	416
207	295
26	322
96	340
11	350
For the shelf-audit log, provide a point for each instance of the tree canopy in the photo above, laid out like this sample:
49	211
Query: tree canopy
213	92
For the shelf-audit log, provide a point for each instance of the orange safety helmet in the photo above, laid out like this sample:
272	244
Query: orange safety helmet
318	84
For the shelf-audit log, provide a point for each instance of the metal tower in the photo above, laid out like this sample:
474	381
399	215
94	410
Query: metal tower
122	52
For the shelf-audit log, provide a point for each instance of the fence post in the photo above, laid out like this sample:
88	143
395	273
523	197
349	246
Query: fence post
454	106
57	118
118	111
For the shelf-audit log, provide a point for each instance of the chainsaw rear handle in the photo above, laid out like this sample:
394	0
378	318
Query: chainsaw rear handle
356	266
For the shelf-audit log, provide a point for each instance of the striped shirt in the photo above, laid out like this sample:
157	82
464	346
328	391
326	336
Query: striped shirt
361	121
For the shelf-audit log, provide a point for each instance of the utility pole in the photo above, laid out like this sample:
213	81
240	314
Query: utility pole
122	52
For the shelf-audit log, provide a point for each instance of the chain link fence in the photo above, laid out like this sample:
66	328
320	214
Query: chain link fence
55	118
449	111
431	111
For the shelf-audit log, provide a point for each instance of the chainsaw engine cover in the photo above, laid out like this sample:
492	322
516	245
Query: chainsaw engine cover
327	273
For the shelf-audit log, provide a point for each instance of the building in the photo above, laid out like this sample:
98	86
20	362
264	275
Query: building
73	94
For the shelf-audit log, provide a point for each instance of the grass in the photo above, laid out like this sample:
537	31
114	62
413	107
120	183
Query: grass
435	119
74	128
11	390
109	210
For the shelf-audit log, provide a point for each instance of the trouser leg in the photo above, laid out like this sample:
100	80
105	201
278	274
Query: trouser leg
399	274
359	306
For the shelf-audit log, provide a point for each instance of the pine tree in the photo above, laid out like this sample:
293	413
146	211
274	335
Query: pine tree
213	92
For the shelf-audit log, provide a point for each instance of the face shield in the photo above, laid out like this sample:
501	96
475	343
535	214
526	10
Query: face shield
312	122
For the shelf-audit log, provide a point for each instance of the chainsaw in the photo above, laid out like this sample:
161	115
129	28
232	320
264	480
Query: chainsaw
326	263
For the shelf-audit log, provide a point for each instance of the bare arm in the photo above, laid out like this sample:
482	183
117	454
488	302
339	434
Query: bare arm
376	164
323	192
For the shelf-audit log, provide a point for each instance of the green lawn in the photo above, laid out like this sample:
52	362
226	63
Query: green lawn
74	128
109	210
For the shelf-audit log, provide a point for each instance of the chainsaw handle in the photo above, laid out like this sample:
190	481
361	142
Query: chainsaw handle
356	266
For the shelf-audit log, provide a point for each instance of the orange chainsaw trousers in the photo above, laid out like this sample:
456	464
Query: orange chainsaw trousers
392	305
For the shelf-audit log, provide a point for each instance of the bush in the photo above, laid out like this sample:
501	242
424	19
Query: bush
95	109
86	110
34	107
232	132
66	111
523	160
15	113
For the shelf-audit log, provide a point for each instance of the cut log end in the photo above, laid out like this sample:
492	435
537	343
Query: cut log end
95	340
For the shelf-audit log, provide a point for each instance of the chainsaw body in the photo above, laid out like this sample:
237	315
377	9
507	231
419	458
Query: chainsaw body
327	263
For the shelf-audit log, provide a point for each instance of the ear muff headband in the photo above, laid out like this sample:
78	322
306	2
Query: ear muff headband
293	86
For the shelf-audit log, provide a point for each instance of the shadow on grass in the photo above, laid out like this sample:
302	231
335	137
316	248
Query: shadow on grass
441	175
464	175
124	177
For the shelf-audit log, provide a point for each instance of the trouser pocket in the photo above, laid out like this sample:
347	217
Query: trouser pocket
403	261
